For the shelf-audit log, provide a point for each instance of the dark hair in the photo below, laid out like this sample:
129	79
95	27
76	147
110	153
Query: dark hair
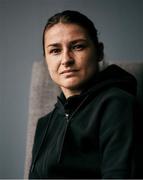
74	17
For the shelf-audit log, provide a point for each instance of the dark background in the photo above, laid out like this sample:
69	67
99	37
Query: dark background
120	25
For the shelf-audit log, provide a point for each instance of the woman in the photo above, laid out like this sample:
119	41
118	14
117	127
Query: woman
89	133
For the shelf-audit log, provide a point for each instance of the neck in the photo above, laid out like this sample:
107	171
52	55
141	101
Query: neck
69	93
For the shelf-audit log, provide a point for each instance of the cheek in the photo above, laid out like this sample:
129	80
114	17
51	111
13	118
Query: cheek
90	65
53	69
89	61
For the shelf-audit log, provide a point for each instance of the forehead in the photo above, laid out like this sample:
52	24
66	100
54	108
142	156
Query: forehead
64	32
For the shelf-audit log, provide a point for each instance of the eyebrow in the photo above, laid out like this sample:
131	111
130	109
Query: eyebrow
72	42
78	40
53	45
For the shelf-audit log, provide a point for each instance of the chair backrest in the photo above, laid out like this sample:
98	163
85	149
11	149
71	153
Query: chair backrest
43	95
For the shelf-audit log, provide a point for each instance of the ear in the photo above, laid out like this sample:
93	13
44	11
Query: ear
100	51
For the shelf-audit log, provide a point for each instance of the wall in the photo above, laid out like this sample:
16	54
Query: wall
120	27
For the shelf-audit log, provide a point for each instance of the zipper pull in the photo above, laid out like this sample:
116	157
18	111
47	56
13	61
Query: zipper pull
67	117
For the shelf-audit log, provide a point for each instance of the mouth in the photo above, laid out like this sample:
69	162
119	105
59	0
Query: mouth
70	71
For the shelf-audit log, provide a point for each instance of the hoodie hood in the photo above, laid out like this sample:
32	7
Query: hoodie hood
114	76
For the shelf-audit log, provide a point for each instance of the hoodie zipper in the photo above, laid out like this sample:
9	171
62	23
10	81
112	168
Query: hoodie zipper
64	134
68	118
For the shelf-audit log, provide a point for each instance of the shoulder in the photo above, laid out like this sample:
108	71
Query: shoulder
111	100
117	109
41	127
43	120
117	94
42	123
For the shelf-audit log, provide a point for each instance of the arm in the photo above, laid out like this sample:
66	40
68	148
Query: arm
116	136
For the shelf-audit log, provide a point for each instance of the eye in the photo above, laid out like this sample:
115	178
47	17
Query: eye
78	47
55	51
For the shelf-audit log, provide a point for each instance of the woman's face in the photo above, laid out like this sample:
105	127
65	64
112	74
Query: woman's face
71	57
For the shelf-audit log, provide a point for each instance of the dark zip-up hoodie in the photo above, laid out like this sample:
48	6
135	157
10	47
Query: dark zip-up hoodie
88	135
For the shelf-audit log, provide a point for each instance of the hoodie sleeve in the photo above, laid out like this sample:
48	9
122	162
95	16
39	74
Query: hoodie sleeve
116	135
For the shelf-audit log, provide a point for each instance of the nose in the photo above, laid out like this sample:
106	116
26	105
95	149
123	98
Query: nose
67	58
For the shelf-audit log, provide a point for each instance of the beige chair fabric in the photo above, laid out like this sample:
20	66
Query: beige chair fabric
43	95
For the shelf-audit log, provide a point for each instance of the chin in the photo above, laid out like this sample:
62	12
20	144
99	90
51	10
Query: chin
73	85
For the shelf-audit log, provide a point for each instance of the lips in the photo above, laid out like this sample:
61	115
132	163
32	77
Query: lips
68	71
